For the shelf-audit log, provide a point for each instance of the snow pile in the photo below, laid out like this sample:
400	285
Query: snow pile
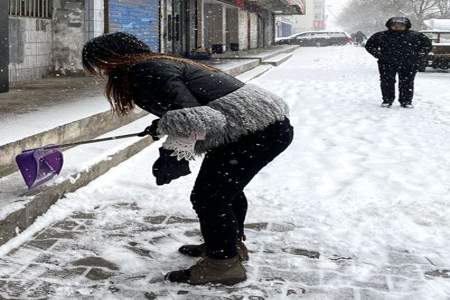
438	24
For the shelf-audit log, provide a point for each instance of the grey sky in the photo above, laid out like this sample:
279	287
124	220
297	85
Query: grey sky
333	9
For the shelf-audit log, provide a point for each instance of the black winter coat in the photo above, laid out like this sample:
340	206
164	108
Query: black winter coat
399	48
162	85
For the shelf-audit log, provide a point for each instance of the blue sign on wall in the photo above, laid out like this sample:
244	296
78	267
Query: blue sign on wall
138	17
286	30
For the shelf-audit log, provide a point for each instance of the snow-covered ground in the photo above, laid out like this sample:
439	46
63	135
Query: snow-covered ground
366	187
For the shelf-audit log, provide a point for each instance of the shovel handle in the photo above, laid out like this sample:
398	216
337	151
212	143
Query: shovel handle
155	138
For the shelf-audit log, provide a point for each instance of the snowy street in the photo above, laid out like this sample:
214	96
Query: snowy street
357	208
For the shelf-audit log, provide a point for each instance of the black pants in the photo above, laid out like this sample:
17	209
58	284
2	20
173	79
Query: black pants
406	74
218	196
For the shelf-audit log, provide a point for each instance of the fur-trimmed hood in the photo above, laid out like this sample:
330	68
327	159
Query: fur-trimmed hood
402	20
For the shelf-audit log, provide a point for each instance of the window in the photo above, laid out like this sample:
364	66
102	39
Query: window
445	38
337	34
320	35
303	36
31	8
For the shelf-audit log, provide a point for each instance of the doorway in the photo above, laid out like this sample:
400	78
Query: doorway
178	23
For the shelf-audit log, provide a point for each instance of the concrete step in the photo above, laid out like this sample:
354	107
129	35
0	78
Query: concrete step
277	60
234	67
254	73
83	129
283	50
20	207
261	54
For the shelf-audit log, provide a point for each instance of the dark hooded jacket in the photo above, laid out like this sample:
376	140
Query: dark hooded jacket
399	48
200	109
163	85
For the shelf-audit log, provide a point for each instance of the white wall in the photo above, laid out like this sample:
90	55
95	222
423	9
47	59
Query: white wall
69	35
30	48
94	19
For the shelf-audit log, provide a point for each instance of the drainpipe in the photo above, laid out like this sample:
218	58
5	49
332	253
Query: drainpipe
4	46
106	16
274	28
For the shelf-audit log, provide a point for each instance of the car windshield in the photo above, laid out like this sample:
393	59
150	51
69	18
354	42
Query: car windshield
445	38
438	37
300	35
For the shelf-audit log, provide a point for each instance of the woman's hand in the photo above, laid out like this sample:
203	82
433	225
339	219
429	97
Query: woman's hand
151	130
167	168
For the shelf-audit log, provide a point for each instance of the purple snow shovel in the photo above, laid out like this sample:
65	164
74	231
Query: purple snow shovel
39	165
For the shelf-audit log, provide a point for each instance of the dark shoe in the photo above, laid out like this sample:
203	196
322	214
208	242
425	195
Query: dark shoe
211	271
386	104
406	105
200	250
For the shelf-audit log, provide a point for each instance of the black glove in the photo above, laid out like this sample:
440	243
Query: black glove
151	130
167	168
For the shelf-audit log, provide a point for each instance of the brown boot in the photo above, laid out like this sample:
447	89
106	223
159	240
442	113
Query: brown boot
211	271
200	250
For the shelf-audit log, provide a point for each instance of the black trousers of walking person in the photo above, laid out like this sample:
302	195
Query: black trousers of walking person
406	74
218	195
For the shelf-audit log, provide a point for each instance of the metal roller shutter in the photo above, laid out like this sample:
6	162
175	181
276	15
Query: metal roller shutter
138	17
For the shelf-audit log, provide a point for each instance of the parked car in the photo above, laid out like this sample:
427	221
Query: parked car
317	39
439	57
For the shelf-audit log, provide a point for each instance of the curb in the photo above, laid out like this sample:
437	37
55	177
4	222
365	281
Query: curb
238	70
261	57
255	73
277	60
86	128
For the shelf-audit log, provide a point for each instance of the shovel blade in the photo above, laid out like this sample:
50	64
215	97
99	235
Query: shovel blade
39	166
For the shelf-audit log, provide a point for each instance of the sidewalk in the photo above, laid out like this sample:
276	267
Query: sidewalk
117	237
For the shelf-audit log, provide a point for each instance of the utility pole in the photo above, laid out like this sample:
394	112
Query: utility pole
4	46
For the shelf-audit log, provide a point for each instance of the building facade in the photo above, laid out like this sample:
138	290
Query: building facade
45	37
314	19
219	26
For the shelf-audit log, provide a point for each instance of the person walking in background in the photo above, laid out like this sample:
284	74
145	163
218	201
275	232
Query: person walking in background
360	37
239	127
399	50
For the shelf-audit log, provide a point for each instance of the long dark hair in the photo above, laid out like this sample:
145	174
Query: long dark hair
112	55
